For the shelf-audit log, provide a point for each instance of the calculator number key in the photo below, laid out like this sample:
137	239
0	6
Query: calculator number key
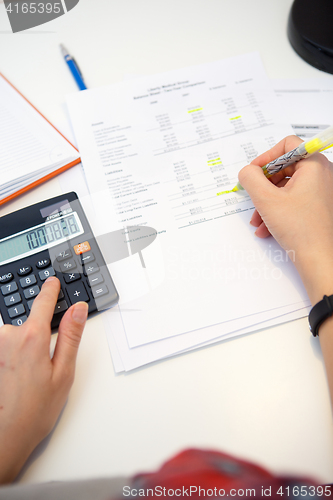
43	275
60	297
10	288
29	304
13	299
16	311
28	281
31	292
19	321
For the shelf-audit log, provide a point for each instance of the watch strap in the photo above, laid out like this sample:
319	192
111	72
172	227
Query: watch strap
319	313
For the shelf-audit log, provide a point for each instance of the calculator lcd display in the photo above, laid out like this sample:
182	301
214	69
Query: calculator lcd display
41	237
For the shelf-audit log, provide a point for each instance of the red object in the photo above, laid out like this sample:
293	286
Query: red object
210	474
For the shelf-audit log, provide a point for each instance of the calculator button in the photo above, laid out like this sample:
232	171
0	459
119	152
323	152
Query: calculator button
82	248
31	292
16	311
29	304
41	264
91	269
97	279
10	288
61	307
64	254
68	265
69	277
28	281
77	292
99	291
13	299
43	275
87	258
19	321
61	294
5	278
23	271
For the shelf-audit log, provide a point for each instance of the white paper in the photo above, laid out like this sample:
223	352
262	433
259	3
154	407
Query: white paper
165	146
125	358
307	105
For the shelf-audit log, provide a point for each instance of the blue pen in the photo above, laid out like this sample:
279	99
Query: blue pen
74	68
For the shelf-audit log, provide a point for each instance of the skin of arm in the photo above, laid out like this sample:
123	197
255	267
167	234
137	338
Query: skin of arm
295	206
34	387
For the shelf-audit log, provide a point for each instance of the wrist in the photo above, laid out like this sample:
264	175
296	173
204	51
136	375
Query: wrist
15	450
316	272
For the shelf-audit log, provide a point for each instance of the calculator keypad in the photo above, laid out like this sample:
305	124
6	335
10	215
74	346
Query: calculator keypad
80	275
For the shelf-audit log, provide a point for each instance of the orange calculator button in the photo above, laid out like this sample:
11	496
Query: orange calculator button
82	247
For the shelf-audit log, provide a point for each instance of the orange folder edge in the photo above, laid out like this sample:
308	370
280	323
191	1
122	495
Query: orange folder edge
50	175
40	181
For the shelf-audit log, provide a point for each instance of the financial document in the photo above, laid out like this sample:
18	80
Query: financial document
164	148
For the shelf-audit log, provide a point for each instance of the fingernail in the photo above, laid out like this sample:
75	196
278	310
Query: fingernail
80	312
51	278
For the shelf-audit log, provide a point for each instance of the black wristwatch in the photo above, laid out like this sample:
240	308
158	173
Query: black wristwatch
319	313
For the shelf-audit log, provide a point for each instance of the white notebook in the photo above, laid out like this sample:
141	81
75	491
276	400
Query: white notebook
32	150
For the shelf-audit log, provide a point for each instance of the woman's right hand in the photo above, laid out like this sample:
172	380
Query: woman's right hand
296	207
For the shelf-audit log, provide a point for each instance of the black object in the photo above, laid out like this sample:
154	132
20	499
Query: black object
319	313
310	32
51	238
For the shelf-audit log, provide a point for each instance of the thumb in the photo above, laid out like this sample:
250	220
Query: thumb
254	181
70	333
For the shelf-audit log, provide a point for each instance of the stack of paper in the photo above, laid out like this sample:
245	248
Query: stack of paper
31	149
157	153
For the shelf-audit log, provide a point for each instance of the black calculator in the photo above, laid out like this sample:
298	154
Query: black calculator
51	238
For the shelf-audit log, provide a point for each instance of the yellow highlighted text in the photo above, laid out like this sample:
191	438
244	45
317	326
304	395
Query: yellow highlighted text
230	191
194	110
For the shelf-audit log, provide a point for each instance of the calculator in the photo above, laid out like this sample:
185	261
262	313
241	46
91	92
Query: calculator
51	238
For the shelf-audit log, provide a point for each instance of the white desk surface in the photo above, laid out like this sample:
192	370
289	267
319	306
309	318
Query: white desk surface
262	397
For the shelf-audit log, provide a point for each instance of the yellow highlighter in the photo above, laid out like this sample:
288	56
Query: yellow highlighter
319	142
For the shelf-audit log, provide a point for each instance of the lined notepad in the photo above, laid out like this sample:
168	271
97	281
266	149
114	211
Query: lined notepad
32	150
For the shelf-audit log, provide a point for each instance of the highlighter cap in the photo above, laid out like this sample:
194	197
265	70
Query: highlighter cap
320	141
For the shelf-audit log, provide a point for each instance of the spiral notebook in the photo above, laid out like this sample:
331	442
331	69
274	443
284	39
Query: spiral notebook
32	150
